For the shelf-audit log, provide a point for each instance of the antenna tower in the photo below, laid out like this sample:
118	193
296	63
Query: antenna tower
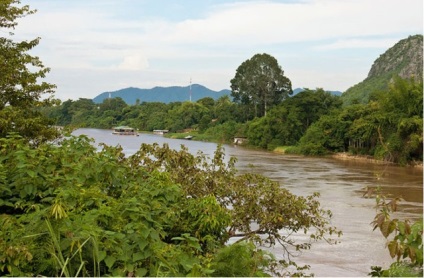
190	89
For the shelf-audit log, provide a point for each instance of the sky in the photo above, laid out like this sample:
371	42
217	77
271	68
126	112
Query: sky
96	46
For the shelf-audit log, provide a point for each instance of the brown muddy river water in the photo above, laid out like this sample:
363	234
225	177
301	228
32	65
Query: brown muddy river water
341	184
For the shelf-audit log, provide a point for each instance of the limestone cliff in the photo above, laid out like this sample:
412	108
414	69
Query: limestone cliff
404	59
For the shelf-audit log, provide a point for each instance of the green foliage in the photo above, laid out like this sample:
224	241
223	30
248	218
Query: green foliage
80	190
312	143
312	104
186	115
286	123
361	92
21	93
260	84
73	209
260	203
145	116
389	127
241	260
406	245
227	131
397	269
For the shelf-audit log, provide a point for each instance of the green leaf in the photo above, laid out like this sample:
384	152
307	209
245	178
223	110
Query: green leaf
110	233
141	272
117	272
31	173
130	267
120	235
145	232
28	188
110	260
138	256
142	243
101	255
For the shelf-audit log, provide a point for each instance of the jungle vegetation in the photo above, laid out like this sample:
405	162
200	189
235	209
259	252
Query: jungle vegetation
71	209
313	122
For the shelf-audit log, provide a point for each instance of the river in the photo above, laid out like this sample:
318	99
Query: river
341	184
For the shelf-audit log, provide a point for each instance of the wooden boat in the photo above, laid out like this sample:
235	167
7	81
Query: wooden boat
124	130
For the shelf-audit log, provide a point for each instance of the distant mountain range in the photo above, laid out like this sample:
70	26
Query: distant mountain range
163	94
171	94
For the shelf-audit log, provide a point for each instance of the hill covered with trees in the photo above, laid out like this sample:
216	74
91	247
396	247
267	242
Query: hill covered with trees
133	96
404	59
170	94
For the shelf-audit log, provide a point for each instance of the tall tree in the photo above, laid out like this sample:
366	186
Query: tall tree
20	90
260	84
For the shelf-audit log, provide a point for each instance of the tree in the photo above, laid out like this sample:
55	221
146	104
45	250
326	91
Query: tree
260	84
21	93
250	198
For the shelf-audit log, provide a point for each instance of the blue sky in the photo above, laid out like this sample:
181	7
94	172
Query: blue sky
93	46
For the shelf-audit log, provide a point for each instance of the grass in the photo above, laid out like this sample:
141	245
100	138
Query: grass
287	150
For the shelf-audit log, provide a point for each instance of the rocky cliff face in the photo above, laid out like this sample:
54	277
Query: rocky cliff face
405	59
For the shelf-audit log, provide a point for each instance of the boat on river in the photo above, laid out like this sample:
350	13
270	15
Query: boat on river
124	130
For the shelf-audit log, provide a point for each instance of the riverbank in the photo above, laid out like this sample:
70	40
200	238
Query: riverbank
364	158
291	149
348	156
370	159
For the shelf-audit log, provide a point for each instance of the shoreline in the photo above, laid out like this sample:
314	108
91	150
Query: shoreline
370	159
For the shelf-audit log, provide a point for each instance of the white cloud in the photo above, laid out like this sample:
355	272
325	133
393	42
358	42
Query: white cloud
134	62
89	36
358	43
275	22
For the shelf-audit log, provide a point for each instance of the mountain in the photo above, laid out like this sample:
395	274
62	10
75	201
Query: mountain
162	94
172	94
404	59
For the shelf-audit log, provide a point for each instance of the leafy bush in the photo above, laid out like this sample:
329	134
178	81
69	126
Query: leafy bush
241	260
72	209
406	245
